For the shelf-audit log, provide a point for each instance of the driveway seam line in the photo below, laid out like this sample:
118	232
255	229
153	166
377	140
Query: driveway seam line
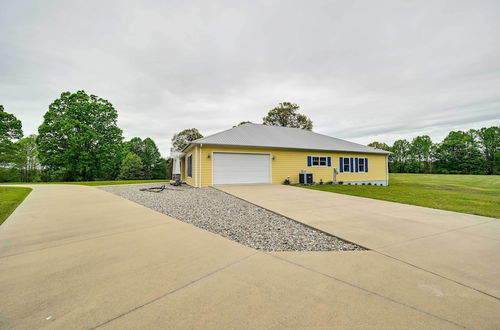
174	290
85	239
437	274
367	290
436	234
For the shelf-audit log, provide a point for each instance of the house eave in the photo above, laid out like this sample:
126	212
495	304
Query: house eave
288	148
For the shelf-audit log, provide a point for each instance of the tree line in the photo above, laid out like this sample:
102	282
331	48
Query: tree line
79	140
476	151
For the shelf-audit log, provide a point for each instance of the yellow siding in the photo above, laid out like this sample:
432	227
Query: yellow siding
291	162
192	181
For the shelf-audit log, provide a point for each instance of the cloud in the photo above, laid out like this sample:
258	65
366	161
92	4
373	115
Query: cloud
360	70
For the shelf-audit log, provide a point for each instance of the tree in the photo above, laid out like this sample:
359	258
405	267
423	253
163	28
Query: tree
420	154
135	145
459	153
150	158
286	114
131	167
183	138
399	157
242	123
27	160
489	142
10	131
380	145
160	171
148	152
471	152
79	136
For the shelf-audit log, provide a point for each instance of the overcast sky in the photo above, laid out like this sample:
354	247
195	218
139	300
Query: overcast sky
361	70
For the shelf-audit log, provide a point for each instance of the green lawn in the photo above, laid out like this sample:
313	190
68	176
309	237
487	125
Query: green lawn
474	194
92	183
10	198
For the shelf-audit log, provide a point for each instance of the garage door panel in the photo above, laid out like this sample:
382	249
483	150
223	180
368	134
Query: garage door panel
235	168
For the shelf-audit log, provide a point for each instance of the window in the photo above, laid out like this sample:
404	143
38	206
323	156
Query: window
319	161
353	165
347	165
190	166
361	164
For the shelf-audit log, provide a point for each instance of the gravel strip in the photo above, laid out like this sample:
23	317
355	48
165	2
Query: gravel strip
233	218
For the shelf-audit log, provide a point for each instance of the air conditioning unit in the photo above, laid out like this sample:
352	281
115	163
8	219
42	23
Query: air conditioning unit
305	178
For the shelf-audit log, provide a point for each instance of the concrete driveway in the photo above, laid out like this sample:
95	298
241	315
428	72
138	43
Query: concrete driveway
78	257
460	247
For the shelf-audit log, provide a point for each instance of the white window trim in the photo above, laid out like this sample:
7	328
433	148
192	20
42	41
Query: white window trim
359	164
349	162
326	161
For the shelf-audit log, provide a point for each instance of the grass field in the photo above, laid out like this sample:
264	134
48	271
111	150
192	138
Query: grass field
10	198
92	183
474	194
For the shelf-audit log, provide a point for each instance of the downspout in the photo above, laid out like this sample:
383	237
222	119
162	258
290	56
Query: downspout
387	170
197	165
201	163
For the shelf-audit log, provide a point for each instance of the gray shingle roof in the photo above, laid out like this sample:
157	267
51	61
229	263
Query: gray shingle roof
255	135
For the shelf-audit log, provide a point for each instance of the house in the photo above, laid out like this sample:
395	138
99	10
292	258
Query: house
253	153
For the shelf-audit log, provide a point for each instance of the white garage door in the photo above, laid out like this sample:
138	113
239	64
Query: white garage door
234	168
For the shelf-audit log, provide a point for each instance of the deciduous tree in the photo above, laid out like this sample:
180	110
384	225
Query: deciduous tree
489	142
80	136
399	157
286	114
160	171
10	132
183	138
380	145
459	154
148	152
243	123
27	160
131	167
420	154
150	157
